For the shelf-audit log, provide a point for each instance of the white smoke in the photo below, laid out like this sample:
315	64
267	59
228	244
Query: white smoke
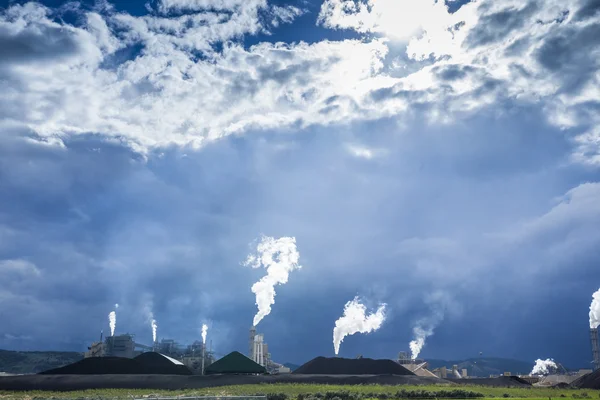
425	327
595	311
279	257
421	332
112	321
543	367
204	332
356	320
150	319
154	328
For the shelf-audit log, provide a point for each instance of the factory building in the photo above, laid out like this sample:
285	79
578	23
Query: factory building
116	346
258	351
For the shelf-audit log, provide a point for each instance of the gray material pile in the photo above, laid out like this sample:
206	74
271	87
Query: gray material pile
351	366
589	381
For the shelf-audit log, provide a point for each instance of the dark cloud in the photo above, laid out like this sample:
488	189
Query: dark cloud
588	9
37	44
498	26
453	72
572	54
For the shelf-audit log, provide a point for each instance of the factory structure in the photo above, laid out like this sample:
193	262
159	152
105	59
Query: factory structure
258	351
195	356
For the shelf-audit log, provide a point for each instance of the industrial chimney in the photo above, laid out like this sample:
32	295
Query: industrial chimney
595	348
252	336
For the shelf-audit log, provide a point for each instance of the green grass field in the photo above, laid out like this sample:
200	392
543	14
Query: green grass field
293	390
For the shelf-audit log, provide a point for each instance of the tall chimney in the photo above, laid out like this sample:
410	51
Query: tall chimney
203	355
252	335
595	347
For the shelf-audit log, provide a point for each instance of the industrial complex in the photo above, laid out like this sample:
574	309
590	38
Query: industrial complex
195	356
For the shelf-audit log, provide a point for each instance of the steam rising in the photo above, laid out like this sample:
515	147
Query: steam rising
421	332
112	320
154	327
595	311
543	367
204	332
279	257
355	320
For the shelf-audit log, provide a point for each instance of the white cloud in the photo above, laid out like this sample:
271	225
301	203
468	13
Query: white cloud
18	268
179	90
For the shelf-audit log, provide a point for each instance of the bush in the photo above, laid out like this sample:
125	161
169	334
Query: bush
277	396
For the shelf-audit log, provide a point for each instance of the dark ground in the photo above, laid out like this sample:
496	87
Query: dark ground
502	381
175	382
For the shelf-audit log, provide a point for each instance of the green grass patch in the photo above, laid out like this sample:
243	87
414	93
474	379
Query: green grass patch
322	392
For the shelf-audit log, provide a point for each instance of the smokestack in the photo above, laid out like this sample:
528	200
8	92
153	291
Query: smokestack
203	355
101	335
595	348
251	347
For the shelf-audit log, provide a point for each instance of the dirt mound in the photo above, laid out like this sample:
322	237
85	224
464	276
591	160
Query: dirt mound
502	381
156	363
589	381
99	366
349	366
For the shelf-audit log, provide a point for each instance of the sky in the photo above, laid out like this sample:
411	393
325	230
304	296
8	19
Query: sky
442	158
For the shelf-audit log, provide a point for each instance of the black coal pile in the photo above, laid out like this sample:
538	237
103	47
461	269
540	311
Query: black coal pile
99	366
144	364
589	381
349	366
156	363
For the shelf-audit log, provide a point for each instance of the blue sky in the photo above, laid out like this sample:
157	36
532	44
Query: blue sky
440	158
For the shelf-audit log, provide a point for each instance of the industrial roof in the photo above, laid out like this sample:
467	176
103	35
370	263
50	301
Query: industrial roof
234	363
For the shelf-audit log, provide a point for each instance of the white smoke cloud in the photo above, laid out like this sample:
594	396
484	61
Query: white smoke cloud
425	327
595	311
150	319
204	332
421	331
154	328
356	320
112	321
543	367
279	257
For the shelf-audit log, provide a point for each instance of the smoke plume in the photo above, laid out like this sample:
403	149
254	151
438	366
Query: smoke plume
595	311
154	327
204	332
112	320
421	332
425	327
543	367
355	320
279	257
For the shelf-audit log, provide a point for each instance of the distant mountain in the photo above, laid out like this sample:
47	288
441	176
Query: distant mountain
485	366
32	362
291	366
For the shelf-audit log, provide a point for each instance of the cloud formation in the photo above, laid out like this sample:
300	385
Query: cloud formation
452	154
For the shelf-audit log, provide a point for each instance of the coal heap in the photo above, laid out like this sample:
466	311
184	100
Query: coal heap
99	366
156	363
589	381
349	366
147	363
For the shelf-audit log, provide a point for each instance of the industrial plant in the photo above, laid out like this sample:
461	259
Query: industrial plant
195	356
